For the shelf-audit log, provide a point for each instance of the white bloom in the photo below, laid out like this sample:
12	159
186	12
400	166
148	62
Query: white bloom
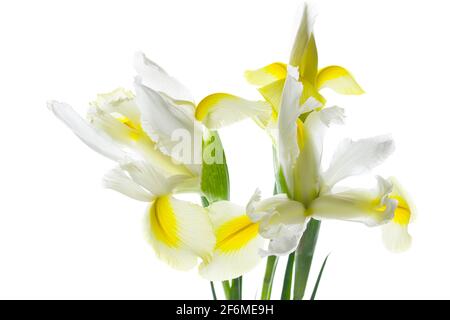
300	147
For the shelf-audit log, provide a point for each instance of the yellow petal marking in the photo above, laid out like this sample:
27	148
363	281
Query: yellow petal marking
266	75
235	234
402	214
338	79
163	222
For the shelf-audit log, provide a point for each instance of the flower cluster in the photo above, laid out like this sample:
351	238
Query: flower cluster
163	142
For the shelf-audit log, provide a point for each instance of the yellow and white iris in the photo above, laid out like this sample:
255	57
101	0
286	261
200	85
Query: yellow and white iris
221	109
139	131
300	147
180	232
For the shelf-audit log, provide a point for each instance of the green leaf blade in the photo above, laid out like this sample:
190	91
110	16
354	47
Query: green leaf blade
316	286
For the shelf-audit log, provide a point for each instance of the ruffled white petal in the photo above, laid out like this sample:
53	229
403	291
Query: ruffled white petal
89	135
285	240
154	77
180	232
117	115
119	181
281	220
237	243
222	109
171	125
371	207
119	101
357	157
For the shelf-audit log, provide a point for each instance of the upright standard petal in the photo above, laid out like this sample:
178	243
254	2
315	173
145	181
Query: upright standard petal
395	234
237	243
310	60
288	149
221	109
89	135
303	35
357	157
339	80
154	77
171	125
310	135
180	232
371	207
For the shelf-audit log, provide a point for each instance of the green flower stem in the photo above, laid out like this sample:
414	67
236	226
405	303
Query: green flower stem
213	290
269	275
303	257
226	289
272	261
287	283
236	289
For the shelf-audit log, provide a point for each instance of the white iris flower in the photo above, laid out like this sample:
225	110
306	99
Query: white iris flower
156	141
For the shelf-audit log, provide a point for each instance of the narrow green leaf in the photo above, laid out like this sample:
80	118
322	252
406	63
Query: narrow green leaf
303	258
287	283
215	183
213	290
269	275
316	286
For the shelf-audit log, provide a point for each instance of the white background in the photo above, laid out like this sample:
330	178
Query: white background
63	236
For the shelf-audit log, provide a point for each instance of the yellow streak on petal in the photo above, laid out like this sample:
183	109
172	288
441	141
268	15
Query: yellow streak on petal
136	131
267	74
163	222
235	234
338	79
300	134
402	214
